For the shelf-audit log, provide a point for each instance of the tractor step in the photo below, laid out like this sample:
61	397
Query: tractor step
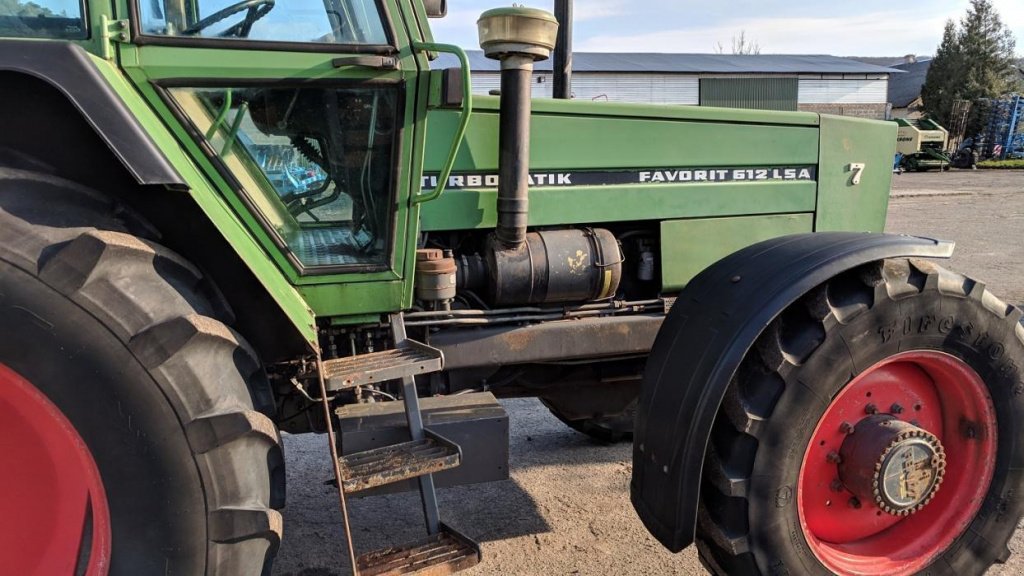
446	552
410	359
389	464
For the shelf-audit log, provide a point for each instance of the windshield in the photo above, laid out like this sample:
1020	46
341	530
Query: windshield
307	21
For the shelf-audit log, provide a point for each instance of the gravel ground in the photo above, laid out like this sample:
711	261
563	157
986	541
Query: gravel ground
566	508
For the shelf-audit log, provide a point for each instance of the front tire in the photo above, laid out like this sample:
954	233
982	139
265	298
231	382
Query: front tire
128	342
898	343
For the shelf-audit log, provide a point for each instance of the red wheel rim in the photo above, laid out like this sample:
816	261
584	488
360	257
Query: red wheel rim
56	519
938	393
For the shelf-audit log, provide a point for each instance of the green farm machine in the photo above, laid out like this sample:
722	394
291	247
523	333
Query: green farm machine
223	221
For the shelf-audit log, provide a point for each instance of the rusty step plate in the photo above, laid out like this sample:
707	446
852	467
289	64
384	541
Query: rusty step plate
447	552
380	466
411	359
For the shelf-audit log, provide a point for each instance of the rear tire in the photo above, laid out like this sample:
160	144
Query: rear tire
128	341
754	515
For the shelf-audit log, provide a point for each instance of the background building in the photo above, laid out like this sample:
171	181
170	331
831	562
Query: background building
816	83
905	89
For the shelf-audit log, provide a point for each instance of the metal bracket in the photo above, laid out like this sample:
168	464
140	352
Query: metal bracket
112	31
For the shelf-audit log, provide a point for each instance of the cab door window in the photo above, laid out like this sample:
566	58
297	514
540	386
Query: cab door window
316	164
350	22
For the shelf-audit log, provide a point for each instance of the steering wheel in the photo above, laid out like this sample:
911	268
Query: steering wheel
256	9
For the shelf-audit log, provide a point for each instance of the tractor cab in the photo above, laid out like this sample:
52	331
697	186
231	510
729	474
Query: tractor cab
307	112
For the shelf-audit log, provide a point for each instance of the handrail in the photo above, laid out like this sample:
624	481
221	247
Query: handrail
467	107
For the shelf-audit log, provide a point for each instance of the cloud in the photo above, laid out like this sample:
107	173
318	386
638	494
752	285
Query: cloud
876	33
871	28
598	9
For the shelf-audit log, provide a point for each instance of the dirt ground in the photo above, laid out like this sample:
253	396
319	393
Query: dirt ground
566	508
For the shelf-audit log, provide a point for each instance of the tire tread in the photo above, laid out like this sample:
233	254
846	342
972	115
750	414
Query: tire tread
102	256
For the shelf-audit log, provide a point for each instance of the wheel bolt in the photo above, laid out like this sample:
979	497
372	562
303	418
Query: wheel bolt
836	485
846	428
854	502
896	409
871	409
834	457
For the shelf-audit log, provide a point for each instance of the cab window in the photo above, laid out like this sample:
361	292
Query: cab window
316	164
306	21
63	19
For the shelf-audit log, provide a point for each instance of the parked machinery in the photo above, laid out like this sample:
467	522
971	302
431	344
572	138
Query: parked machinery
921	145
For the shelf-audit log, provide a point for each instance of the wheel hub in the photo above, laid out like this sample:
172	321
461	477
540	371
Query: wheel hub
870	500
894	464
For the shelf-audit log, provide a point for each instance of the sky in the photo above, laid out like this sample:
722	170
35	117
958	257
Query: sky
861	28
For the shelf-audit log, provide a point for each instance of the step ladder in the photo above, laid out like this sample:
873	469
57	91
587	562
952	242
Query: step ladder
443	550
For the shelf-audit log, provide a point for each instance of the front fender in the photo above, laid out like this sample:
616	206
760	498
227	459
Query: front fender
712	325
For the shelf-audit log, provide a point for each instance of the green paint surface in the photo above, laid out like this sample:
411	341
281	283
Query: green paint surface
842	205
584	136
590	138
465	209
690	246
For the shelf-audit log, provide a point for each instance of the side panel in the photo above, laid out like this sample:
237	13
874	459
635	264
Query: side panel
843	205
583	136
689	246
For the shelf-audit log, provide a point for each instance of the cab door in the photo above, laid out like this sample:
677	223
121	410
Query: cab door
305	114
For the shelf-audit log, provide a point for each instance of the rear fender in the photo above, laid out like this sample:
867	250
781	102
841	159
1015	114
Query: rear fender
66	67
709	330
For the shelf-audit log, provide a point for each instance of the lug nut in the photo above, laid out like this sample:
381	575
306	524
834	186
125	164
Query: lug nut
896	409
834	457
854	502
871	409
846	428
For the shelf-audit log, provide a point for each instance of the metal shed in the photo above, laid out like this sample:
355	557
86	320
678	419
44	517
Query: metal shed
819	83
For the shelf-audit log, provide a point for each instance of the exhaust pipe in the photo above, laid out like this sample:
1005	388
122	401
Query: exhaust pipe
539	267
514	150
517	37
562	65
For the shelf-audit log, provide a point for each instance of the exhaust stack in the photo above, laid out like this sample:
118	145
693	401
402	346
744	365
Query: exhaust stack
517	37
517	267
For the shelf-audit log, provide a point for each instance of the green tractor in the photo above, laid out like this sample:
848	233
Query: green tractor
223	221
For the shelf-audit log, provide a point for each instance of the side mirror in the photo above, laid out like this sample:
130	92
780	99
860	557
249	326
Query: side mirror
436	8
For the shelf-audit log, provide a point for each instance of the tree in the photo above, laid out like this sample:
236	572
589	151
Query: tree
23	9
741	45
975	60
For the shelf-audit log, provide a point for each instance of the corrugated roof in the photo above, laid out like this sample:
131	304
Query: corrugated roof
641	62
905	88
